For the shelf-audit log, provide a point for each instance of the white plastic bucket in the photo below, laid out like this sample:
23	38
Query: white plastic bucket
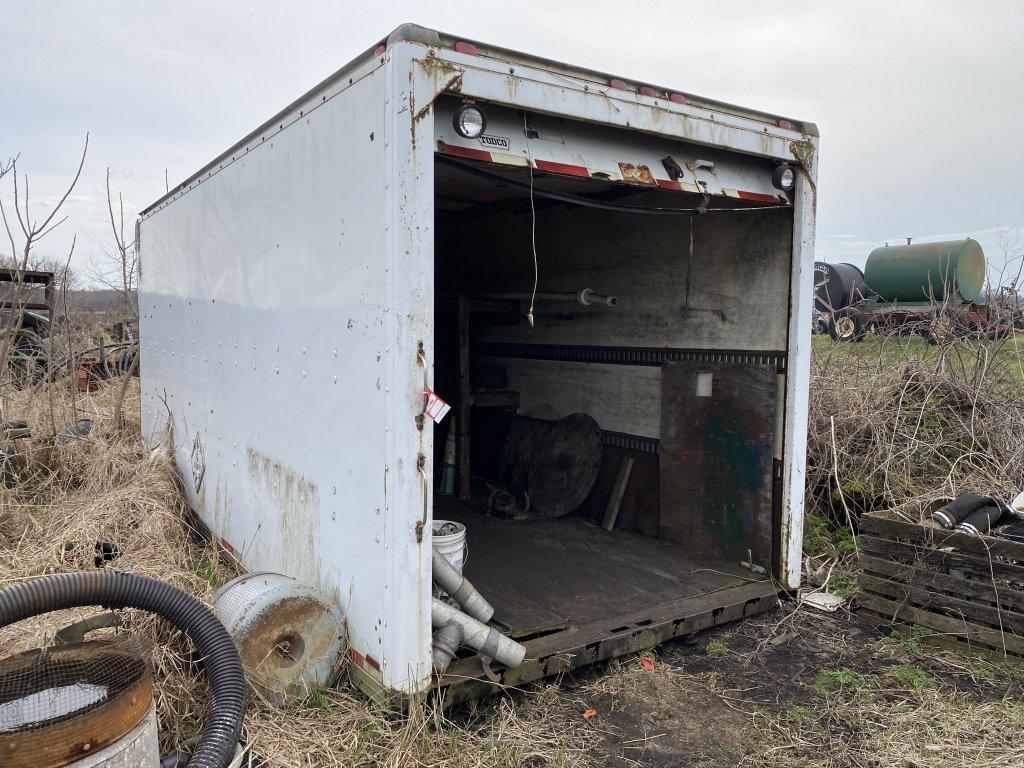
451	546
1016	506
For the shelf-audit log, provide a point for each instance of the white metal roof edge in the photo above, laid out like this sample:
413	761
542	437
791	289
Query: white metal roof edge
418	34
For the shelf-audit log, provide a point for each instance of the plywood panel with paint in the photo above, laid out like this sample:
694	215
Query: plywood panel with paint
716	458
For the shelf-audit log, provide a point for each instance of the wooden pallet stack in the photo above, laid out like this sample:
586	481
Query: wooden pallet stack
968	591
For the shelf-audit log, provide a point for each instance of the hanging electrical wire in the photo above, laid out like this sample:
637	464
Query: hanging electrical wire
533	221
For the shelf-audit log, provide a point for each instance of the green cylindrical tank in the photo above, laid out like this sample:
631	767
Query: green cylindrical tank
949	271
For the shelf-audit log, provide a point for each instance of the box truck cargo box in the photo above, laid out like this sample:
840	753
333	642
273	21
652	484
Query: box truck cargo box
609	283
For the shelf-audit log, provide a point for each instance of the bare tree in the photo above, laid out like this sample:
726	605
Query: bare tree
118	269
24	234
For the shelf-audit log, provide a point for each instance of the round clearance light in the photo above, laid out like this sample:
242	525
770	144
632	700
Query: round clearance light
784	177
469	121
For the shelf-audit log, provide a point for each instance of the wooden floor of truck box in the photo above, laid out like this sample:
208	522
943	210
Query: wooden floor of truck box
575	593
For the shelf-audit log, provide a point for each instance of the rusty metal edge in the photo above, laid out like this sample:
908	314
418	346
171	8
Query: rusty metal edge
74	739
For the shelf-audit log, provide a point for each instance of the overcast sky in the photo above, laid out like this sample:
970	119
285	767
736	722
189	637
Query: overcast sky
920	103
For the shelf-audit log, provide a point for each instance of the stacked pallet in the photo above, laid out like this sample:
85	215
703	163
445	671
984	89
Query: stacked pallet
968	591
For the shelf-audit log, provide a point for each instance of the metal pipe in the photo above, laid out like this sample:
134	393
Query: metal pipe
444	645
488	642
586	297
459	588
103	359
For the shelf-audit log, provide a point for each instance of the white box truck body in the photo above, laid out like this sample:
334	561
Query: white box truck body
301	292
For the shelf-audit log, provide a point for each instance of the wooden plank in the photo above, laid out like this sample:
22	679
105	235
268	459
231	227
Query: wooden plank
716	458
909	553
982	546
495	398
979	590
973	632
615	500
955	643
980	613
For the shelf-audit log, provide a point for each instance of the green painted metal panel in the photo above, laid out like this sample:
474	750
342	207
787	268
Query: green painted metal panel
920	272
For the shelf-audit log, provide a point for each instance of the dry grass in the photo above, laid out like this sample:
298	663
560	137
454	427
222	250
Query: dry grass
897	424
109	487
887	723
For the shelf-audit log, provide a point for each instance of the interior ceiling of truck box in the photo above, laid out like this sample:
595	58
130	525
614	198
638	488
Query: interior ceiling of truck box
470	186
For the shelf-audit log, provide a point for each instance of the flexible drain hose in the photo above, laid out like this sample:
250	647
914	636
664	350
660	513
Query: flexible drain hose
114	589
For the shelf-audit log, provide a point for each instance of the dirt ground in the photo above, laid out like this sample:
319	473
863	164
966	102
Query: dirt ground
793	687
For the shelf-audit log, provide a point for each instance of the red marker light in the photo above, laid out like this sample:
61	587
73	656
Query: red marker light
379	50
677	98
785	124
467	48
619	85
646	90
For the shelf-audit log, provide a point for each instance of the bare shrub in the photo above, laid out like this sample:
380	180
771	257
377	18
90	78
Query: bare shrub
896	423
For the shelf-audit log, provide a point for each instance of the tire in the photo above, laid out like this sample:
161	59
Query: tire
848	325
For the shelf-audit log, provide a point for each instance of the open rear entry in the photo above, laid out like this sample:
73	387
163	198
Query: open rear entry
611	322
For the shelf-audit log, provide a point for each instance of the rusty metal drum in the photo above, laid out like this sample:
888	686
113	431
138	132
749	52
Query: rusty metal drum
288	634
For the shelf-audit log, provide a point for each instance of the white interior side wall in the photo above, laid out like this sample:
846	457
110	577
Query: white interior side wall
621	398
738	296
262	308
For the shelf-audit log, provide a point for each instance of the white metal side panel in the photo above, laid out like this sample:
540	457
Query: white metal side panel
263	309
798	366
414	81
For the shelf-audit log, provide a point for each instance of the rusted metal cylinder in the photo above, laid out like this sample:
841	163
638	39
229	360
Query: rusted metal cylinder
113	589
85	705
288	635
136	749
950	271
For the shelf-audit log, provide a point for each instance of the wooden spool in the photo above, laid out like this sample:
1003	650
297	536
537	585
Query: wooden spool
565	465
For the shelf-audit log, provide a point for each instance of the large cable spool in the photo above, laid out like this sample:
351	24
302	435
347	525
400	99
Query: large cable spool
565	465
288	635
837	286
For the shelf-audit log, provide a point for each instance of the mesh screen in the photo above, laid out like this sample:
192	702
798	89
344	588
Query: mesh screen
46	686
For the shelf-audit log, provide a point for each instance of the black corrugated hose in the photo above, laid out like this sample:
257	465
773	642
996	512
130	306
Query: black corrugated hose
115	589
